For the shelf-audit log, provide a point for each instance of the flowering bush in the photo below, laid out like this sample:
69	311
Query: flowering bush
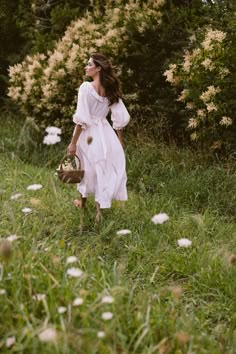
204	78
44	85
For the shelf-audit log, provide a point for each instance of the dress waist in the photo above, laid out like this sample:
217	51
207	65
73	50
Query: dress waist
100	121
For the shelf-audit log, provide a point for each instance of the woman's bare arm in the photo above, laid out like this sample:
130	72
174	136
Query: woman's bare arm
72	146
120	137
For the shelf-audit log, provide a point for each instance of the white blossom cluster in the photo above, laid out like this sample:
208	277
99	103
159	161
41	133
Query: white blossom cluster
40	83
199	66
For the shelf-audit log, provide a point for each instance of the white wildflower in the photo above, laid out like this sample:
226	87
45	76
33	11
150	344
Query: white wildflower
226	121
10	341
78	301
34	187
107	316
2	291
184	242
16	196
107	300
39	297
208	64
12	238
62	310
26	210
183	95
209	93
190	105
160	218
192	123
194	136
211	107
101	334
51	139
187	62
223	72
201	113
123	232
74	272
48	335
71	259
170	73
53	130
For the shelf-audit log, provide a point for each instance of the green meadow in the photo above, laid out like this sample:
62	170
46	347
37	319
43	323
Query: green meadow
138	292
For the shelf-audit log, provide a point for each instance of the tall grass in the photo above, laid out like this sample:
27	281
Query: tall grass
167	299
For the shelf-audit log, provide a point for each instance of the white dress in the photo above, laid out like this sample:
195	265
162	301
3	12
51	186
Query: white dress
99	148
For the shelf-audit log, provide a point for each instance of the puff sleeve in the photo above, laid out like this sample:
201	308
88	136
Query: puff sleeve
82	115
119	115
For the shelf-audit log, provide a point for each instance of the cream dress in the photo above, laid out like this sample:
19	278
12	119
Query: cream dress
99	148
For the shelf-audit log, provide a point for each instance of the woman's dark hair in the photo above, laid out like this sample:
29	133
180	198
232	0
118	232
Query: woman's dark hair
108	79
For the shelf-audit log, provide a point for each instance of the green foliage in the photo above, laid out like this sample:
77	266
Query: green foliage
166	298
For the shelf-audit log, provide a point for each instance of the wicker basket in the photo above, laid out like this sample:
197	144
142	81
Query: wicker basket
70	176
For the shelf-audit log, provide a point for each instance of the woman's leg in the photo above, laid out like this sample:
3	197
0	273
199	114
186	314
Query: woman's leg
98	214
80	203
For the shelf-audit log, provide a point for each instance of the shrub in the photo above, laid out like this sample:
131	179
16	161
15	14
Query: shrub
44	85
203	80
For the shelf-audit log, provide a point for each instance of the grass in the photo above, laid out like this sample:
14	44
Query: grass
167	299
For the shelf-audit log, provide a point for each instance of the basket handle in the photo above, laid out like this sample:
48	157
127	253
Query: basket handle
65	157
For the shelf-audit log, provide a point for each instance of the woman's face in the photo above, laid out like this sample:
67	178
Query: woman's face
91	69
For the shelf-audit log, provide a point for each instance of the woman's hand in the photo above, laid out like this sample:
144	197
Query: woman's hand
71	150
120	137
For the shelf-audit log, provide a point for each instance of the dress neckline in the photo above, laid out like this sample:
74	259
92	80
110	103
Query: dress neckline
96	91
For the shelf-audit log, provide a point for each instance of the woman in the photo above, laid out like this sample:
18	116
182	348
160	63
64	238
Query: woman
99	148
